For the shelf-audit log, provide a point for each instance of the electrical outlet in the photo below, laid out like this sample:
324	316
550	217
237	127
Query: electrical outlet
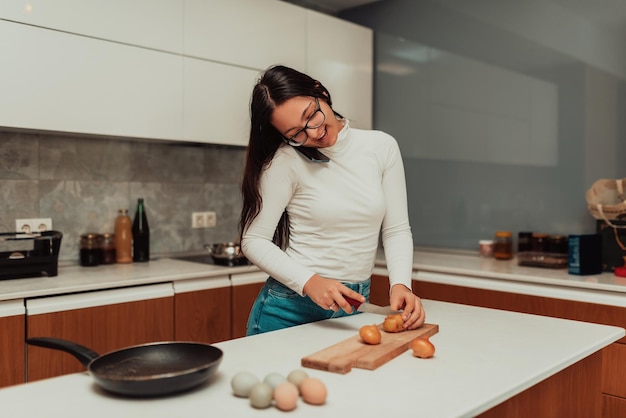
203	220
210	219
197	220
33	225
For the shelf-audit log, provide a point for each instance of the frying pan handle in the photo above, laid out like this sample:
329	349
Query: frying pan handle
82	354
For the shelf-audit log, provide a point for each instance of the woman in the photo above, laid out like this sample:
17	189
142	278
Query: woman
312	220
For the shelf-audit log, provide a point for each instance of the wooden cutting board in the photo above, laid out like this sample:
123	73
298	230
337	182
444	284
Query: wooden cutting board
353	352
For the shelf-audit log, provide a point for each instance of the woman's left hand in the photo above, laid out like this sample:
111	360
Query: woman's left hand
413	312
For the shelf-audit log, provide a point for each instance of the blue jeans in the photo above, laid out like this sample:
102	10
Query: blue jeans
278	307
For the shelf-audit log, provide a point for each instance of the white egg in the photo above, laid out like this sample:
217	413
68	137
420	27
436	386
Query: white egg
242	383
261	395
296	376
274	379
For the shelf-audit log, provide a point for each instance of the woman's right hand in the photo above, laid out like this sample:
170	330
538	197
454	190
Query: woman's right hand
329	294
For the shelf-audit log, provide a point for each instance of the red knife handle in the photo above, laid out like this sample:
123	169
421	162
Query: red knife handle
353	302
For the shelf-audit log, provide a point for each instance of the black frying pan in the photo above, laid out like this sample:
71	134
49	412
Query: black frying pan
144	370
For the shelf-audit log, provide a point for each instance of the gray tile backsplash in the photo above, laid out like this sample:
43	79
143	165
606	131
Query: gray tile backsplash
81	182
18	157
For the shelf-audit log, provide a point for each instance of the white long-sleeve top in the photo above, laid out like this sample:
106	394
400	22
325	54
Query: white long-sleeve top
336	211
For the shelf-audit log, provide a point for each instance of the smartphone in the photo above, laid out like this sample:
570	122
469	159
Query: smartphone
312	154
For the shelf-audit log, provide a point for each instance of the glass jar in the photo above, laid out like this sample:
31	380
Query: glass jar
90	252
539	243
523	241
485	247
107	244
558	244
503	245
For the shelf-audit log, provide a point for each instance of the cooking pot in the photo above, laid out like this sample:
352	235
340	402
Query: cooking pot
153	369
226	253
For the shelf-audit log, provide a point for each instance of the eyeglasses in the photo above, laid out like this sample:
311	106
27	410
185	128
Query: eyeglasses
316	120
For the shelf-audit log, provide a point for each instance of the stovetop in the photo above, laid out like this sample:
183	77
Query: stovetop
200	258
208	259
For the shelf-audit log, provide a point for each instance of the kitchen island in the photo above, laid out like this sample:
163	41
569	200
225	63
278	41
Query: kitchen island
484	357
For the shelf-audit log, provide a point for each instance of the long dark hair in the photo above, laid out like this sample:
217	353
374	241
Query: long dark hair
275	86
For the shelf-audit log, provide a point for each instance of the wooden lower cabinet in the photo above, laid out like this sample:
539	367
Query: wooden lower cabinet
613	407
202	310
614	372
102	321
246	287
12	357
379	290
613	380
539	305
570	393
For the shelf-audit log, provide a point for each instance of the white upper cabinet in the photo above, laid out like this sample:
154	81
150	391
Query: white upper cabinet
56	81
217	98
340	55
248	33
168	69
150	23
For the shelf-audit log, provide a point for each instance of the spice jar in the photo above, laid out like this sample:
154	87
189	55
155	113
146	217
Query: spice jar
557	244
107	244
503	245
523	241
539	243
90	253
485	247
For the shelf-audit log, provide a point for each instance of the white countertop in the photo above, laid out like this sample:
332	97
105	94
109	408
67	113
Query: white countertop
81	279
452	267
483	357
474	265
472	270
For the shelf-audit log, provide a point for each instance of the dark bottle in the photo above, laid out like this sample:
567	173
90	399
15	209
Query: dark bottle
141	234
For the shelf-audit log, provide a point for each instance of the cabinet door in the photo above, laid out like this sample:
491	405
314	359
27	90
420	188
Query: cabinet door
217	99
151	23
613	407
614	370
12	360
379	290
202	310
340	55
56	81
103	321
246	287
248	33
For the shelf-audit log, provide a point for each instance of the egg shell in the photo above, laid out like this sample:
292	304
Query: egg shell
286	396
261	395
296	377
313	391
242	383
274	379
